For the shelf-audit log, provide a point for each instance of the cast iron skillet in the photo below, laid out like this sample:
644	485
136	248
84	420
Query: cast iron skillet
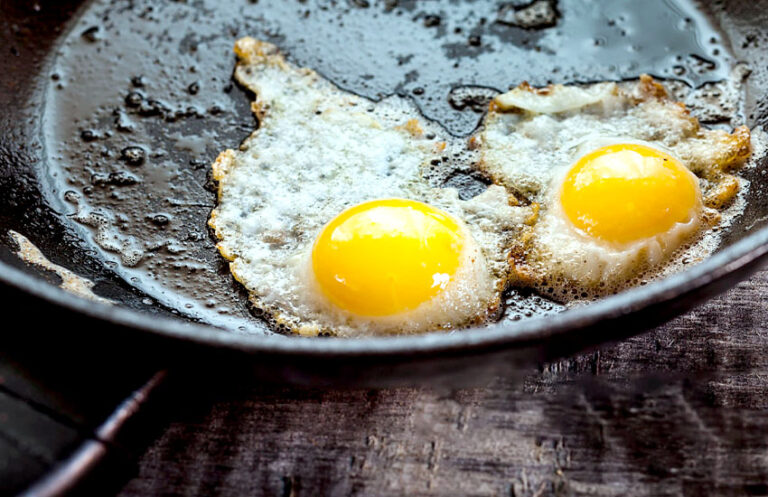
31	35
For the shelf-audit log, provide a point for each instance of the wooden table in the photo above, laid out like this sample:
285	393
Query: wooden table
682	410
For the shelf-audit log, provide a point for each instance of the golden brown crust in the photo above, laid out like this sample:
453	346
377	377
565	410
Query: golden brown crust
737	148
413	127
723	193
649	88
250	51
221	167
259	109
222	164
521	273
526	86
493	107
535	207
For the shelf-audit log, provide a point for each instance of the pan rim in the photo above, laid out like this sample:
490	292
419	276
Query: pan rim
751	249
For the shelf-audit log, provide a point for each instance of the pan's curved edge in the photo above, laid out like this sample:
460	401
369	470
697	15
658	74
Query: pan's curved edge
729	266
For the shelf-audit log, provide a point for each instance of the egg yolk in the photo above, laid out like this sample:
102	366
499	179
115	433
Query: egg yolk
626	192
386	257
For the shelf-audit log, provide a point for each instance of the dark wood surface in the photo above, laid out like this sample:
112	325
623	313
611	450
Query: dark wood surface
60	392
682	410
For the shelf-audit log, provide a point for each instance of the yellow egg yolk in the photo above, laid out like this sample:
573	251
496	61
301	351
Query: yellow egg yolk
386	257
626	192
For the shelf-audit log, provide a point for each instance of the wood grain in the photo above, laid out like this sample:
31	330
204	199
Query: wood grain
682	410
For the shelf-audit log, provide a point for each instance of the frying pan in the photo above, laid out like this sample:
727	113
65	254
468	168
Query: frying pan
83	82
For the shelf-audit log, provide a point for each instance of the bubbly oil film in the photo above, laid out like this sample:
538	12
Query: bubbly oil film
136	112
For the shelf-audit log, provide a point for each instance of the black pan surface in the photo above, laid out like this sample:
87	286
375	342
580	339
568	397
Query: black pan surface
114	110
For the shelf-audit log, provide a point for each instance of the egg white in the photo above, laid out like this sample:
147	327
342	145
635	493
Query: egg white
532	137
318	151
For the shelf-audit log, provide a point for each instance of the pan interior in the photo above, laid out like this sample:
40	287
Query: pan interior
140	101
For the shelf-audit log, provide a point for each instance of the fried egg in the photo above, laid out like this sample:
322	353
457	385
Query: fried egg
623	177
328	216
